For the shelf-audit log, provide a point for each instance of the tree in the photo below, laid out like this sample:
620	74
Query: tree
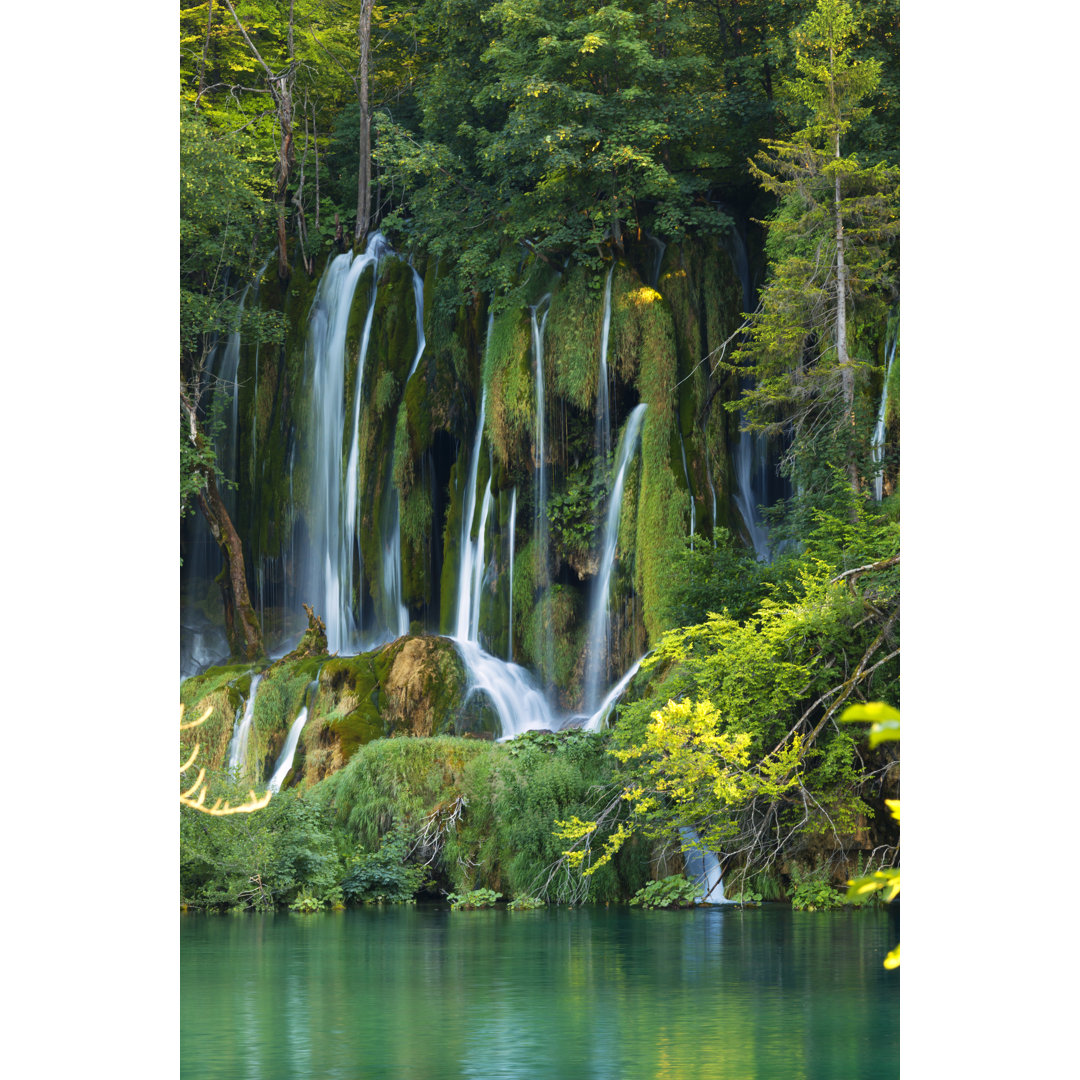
829	247
221	218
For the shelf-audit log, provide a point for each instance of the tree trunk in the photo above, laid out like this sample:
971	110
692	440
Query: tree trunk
847	375
363	185
241	622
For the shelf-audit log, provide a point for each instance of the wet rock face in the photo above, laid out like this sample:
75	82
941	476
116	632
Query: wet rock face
423	687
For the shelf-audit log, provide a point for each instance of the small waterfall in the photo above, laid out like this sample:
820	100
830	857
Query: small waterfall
751	455
513	528
541	517
518	701
603	408
596	721
421	340
597	648
689	491
288	751
661	247
877	443
468	548
396	615
712	490
702	867
478	566
239	743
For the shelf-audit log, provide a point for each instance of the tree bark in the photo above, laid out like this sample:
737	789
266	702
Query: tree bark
280	89
847	375
241	622
363	184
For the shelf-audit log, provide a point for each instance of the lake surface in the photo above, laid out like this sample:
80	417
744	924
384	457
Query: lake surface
424	993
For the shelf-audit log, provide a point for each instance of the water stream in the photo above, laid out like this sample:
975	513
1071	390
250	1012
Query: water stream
597	647
239	742
877	443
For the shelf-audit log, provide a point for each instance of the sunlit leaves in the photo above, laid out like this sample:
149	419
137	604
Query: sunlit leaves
884	721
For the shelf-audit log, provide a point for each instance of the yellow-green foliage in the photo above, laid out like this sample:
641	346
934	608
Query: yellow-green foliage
643	340
508	375
572	336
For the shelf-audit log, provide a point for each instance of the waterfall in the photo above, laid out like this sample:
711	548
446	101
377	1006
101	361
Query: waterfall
541	517
712	490
513	528
285	759
468	549
288	751
478	567
702	867
661	247
877	443
396	615
596	721
421	340
327	574
597	648
603	408
751	455
239	743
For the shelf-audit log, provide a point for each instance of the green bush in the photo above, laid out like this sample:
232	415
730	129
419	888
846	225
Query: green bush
383	876
675	891
810	891
525	903
474	899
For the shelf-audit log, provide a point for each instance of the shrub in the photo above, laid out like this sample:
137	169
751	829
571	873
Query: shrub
675	891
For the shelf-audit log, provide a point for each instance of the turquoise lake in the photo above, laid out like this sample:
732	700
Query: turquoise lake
425	993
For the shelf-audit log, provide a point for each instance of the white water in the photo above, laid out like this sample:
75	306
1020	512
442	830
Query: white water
603	407
239	743
468	547
877	443
285	759
703	868
327	570
751	450
540	502
712	489
661	247
596	721
396	615
597	647
421	340
513	529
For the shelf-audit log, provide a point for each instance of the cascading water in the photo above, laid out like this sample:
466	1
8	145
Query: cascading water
751	456
327	572
596	721
239	743
702	867
396	615
597	648
468	546
603	408
877	443
478	566
541	512
661	247
421	340
285	759
510	605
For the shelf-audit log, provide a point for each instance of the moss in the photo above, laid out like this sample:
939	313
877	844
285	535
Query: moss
511	398
554	631
278	702
573	337
221	690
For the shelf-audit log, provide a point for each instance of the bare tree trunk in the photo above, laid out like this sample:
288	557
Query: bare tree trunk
363	185
280	89
206	45
847	374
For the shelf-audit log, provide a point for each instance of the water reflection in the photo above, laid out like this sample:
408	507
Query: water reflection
428	994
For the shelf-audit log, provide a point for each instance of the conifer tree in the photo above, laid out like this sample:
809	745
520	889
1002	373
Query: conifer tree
828	244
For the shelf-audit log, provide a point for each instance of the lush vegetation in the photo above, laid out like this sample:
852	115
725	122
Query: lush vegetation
513	150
